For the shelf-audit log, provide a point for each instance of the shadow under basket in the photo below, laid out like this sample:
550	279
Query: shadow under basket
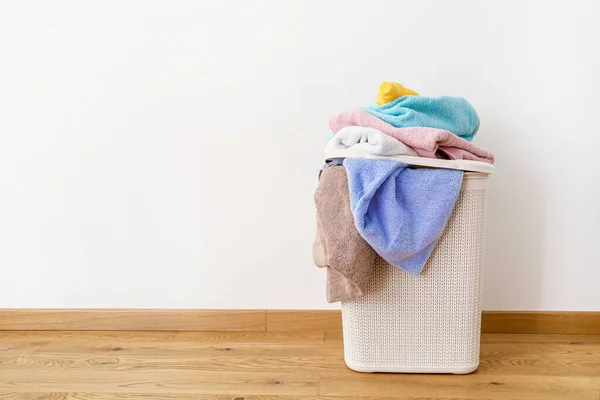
429	323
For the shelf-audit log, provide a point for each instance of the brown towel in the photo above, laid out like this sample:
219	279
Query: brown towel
338	245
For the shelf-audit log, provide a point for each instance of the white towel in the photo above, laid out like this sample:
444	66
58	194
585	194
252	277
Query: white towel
369	140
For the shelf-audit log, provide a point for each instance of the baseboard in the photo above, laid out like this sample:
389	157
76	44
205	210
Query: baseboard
547	322
304	320
132	320
563	322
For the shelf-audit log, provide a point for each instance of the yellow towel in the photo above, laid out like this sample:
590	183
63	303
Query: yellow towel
390	91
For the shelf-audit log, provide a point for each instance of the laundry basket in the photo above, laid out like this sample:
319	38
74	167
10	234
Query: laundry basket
429	323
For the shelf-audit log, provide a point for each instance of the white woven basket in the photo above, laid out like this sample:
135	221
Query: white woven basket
429	323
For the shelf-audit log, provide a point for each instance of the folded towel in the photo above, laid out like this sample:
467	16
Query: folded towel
453	114
401	211
369	140
427	142
338	245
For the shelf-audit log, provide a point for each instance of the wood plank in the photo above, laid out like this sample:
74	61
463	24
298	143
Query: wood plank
563	322
133	320
180	396
192	396
141	351
205	382
128	396
548	367
539	338
163	337
474	386
295	362
542	350
304	320
167	349
132	396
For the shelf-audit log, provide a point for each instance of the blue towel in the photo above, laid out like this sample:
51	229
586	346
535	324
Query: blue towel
401	211
453	114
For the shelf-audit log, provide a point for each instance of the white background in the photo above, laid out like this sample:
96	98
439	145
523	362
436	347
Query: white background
164	153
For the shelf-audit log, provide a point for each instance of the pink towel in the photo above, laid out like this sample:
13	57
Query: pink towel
427	142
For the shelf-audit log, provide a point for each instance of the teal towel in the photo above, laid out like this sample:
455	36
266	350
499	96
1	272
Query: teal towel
453	114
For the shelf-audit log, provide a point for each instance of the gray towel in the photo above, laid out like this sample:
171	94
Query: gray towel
338	245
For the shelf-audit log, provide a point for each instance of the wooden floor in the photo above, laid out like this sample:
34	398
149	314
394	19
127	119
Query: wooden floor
278	366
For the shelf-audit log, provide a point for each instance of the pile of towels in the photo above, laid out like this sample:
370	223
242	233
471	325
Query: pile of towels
369	208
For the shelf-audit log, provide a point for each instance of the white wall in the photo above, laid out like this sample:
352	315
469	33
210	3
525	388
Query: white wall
164	153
